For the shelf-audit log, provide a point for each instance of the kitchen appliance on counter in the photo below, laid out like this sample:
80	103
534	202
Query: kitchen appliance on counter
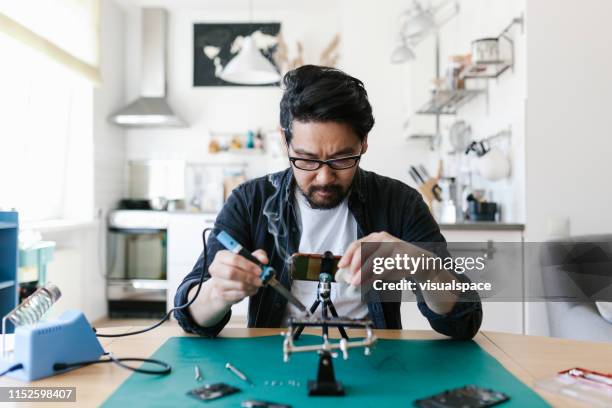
156	184
480	209
136	281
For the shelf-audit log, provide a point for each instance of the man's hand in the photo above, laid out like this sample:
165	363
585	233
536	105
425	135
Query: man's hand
440	302
352	259
233	277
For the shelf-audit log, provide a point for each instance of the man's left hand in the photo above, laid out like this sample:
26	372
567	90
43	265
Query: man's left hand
354	257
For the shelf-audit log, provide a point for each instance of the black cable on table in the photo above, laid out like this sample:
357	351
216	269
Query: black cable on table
11	369
166	368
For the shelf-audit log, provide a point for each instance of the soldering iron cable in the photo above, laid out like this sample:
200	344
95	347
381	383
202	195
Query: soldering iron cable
11	369
166	368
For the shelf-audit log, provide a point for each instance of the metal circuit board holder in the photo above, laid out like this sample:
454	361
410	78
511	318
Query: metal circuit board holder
326	383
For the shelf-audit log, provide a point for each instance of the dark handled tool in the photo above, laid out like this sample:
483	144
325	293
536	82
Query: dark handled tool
422	178
437	192
436	189
268	273
415	173
414	176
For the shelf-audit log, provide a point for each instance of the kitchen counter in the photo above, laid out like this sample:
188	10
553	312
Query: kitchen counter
483	226
459	226
190	212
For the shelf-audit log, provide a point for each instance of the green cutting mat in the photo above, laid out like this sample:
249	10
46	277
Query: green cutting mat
396	373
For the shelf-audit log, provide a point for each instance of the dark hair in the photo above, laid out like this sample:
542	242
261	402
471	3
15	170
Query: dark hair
322	94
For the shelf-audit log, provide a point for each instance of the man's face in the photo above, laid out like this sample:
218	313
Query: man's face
325	187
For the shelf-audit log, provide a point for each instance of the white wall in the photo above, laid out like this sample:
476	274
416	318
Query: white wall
109	140
568	120
109	152
569	142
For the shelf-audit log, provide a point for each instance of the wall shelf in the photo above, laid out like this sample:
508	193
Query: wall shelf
493	68
448	102
490	71
239	152
429	138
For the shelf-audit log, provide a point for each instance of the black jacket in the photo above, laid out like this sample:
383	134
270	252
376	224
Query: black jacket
264	205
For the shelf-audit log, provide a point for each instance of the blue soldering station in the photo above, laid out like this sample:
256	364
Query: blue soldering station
69	339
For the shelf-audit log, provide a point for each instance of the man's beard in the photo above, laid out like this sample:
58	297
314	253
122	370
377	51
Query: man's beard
336	196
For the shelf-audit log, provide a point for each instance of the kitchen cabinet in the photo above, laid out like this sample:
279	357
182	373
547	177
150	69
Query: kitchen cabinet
184	247
497	316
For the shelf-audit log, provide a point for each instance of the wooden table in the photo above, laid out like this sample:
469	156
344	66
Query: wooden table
527	357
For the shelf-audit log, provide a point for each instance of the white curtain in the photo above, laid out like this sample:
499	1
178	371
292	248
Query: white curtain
46	126
65	30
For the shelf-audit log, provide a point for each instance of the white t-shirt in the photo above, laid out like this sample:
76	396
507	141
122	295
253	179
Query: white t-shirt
326	230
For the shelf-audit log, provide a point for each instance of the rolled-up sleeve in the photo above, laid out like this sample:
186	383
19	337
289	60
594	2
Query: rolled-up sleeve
462	322
184	317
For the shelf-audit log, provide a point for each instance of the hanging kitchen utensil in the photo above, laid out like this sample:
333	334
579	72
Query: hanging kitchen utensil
491	162
415	176
460	136
480	148
429	185
424	187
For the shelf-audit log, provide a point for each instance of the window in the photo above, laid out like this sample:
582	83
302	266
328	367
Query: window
46	126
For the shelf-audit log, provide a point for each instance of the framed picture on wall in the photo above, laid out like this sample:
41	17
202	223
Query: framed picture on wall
215	44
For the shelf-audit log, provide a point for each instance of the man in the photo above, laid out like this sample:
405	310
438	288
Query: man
323	202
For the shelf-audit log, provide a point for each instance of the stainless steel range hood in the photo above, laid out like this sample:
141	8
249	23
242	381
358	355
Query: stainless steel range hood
151	109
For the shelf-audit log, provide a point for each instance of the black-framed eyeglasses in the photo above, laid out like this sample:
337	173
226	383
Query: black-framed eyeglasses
341	163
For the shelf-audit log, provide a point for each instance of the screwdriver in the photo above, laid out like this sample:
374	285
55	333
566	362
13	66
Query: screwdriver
238	373
268	274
